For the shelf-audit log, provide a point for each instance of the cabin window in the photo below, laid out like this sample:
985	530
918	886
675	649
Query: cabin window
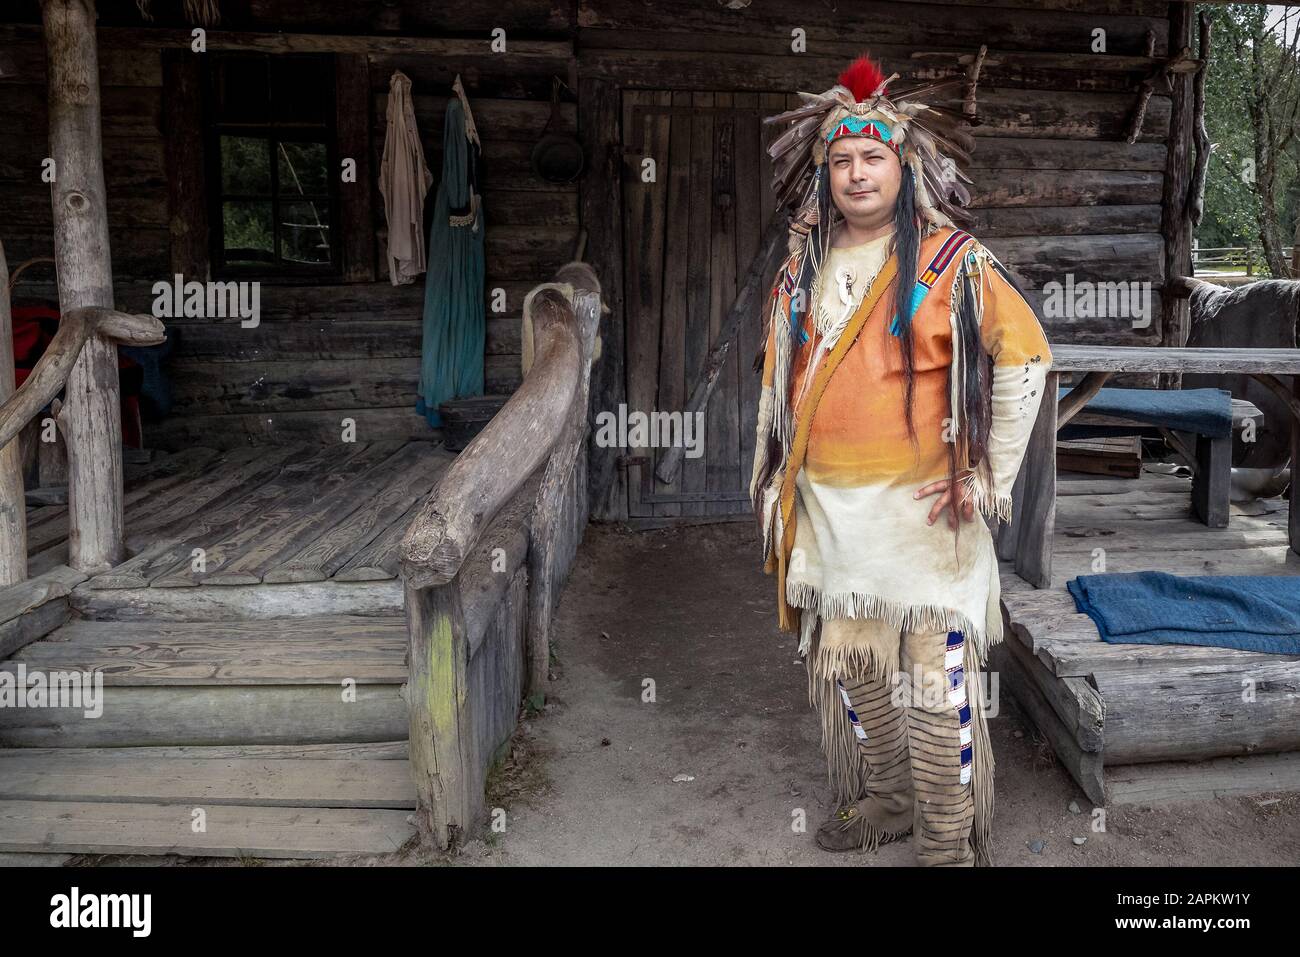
272	147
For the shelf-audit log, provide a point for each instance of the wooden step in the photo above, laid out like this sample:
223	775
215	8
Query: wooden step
79	827
101	774
295	681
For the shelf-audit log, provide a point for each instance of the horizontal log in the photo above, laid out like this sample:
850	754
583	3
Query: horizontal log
136	163
1009	152
220	388
313	427
884	23
1195	711
1038	260
296	340
117	67
127	110
497	119
1078	187
994	222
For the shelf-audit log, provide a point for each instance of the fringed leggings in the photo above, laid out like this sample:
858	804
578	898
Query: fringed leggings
918	757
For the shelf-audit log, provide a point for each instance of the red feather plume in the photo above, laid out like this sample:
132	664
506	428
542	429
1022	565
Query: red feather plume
861	77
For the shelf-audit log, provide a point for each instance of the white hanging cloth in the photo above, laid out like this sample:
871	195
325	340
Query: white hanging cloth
404	179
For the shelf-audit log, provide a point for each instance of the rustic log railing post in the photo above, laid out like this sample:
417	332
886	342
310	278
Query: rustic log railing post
550	497
13	510
535	426
91	418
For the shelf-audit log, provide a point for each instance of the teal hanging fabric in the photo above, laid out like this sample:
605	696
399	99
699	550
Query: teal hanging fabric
451	362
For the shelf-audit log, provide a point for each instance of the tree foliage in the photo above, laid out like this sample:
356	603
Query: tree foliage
1252	115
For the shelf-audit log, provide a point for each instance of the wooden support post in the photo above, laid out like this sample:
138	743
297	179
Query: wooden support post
13	508
1037	521
435	697
1293	519
545	540
1212	480
91	416
599	109
1175	224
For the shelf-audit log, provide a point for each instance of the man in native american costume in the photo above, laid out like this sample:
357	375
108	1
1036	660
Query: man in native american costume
901	364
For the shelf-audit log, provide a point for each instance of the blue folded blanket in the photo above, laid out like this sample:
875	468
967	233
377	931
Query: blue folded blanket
1246	612
1204	411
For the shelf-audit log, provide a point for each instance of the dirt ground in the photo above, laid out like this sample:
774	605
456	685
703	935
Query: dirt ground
717	767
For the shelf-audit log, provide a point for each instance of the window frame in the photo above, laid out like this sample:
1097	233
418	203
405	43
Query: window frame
274	132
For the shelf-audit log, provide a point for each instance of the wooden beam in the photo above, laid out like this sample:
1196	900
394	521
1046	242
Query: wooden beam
602	218
13	508
352	129
183	138
1175	226
91	417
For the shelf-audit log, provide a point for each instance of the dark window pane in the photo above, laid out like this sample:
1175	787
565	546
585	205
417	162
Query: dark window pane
243	94
245	165
248	234
305	232
302	169
301	90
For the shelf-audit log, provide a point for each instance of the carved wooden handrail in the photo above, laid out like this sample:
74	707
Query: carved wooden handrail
50	374
543	422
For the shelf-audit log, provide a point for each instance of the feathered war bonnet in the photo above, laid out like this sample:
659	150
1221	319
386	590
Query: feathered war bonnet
928	139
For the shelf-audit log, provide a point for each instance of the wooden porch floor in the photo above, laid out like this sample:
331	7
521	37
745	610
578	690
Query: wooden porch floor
271	514
1133	708
277	715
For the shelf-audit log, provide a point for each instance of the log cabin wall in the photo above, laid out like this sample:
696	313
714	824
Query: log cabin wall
1057	190
348	346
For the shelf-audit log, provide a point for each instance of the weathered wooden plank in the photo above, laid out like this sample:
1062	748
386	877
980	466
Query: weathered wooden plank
1176	781
1085	358
1003	188
184	139
378	561
318	427
216	714
18	632
16	600
352	136
239	537
324	629
206	782
171	532
1188	712
107	828
293	600
995	222
602	191
407	481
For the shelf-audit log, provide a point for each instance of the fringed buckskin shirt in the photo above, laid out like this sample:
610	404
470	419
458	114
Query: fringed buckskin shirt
842	528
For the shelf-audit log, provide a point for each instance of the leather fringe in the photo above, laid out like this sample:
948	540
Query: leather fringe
982	763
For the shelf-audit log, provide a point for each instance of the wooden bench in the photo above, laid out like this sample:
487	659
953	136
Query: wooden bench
1028	539
1209	457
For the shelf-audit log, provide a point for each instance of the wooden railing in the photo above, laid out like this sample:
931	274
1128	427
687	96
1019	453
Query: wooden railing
1233	259
486	554
46	381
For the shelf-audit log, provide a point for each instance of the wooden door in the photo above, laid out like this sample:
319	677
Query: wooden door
697	198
